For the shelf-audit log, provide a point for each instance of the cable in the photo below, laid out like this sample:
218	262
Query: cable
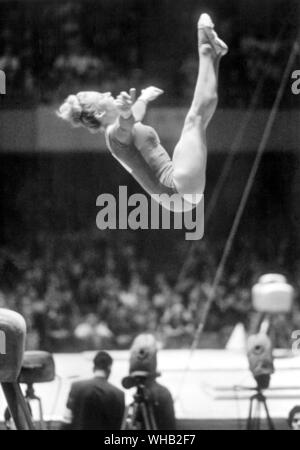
236	145
242	129
244	199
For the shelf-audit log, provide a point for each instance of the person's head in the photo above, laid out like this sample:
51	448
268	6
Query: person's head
103	362
92	110
294	418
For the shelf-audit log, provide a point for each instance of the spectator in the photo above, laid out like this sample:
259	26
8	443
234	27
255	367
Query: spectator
294	418
95	404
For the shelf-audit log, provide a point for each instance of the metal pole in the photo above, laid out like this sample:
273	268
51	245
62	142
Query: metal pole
17	406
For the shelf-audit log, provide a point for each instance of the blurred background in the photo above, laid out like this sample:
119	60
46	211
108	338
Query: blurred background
79	288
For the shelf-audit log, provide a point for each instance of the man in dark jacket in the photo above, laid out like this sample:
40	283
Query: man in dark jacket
95	404
163	406
142	375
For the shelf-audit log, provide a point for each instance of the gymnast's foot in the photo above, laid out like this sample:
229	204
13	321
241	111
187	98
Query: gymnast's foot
207	35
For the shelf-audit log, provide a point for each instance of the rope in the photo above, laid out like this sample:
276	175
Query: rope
243	202
240	134
236	145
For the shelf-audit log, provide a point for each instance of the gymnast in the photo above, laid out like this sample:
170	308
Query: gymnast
137	146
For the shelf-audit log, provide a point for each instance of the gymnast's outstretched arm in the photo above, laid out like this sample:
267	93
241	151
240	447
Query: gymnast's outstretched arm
139	106
132	111
188	166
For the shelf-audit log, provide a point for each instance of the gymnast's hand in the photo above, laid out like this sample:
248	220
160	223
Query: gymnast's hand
124	103
150	93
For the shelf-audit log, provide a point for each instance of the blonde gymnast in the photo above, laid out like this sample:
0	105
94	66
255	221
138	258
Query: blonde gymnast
137	146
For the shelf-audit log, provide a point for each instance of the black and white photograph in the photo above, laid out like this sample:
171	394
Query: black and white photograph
149	217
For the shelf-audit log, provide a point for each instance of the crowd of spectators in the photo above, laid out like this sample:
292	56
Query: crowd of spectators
70	46
80	291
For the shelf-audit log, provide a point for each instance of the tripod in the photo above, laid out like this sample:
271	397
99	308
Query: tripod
18	406
30	396
139	414
254	421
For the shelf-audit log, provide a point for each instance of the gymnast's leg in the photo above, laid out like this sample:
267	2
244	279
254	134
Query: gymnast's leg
189	158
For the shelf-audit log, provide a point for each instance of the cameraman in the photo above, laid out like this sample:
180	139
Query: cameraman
95	404
143	374
163	406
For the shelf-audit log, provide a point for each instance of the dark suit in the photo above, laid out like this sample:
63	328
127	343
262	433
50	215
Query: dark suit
163	407
95	405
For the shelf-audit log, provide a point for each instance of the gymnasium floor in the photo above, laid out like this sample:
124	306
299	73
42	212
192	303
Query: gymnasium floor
213	393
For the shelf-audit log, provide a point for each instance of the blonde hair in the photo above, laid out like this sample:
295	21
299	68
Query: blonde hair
80	114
